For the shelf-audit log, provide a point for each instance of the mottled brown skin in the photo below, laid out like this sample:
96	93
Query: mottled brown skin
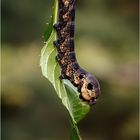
87	85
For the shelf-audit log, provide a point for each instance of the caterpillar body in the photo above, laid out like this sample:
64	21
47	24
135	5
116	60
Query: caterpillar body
86	84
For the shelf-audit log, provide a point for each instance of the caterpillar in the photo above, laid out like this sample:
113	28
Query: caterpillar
87	85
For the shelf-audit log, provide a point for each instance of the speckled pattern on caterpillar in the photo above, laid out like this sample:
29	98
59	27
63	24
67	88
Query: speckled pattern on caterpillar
86	84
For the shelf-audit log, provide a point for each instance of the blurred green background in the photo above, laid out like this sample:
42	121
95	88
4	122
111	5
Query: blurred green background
106	45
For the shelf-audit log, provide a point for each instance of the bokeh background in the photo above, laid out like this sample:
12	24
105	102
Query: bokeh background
106	45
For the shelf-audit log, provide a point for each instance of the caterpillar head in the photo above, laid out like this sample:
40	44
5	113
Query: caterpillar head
90	90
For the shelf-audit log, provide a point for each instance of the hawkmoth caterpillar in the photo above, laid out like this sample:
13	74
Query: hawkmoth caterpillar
86	84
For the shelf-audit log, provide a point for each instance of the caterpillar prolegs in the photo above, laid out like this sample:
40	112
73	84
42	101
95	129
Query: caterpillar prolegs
87	85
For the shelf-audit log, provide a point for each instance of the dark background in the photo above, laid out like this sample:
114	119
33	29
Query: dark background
106	45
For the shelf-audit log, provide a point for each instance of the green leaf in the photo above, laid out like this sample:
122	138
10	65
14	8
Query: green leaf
75	135
51	70
78	108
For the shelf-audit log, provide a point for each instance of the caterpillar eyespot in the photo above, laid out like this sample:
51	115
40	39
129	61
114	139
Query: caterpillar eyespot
86	84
